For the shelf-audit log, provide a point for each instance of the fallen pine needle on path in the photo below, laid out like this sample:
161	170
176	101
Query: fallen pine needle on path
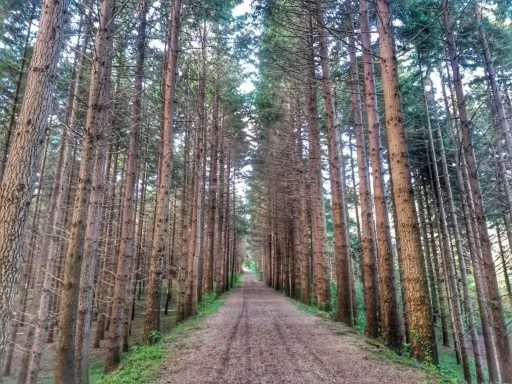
260	336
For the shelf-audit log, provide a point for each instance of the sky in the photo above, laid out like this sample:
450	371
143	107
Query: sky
247	85
243	8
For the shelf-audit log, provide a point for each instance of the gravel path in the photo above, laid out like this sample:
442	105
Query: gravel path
260	336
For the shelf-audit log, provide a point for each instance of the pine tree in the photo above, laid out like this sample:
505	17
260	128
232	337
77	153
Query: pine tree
20	170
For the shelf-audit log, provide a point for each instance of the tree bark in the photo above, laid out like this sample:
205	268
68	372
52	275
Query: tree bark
219	241
160	232
338	198
370	278
52	243
97	120
318	230
421	327
390	320
126	249
191	255
466	300
18	90
448	260
21	168
212	193
202	124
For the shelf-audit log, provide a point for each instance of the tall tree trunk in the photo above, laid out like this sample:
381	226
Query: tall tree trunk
341	247
160	232
31	246
448	260
89	264
105	287
212	193
227	224
139	238
172	258
390	320
19	312
234	243
421	327
219	249
302	241
488	335
202	124
191	255
466	300
18	89
504	264
125	255
21	168
439	278
97	120
471	235
370	281
427	254
185	210
52	243
318	230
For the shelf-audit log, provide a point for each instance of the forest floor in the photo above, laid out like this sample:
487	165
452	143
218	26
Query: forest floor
96	354
260	336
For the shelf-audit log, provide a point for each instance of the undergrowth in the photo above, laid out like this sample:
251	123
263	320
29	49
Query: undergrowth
142	363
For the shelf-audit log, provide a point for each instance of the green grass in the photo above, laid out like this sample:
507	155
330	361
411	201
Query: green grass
137	366
451	371
314	310
330	310
238	281
142	363
448	371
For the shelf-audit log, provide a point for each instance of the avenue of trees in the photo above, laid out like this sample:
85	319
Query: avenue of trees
376	146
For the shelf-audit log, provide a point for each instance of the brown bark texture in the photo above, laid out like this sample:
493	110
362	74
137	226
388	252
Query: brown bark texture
25	150
419	314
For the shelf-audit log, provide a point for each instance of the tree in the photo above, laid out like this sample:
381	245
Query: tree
20	171
320	271
151	324
126	248
90	166
419	314
370	276
52	243
391	332
336	180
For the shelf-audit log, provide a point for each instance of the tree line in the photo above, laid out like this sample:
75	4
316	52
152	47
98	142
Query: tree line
404	108
121	150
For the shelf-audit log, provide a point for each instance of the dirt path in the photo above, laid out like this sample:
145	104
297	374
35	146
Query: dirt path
260	336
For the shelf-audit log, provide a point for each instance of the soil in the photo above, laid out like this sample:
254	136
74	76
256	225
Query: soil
260	336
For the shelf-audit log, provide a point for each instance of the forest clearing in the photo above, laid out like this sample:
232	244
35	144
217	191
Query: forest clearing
255	191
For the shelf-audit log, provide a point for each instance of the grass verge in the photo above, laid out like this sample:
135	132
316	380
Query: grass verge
448	370
142	363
